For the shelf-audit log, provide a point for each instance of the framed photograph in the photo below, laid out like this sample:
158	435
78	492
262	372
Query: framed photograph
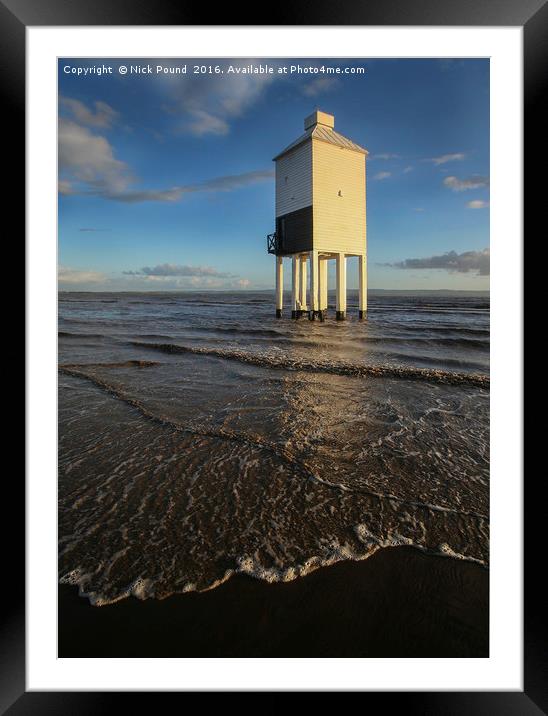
274	290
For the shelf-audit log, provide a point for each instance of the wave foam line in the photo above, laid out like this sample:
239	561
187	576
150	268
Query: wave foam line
283	453
294	364
143	588
64	367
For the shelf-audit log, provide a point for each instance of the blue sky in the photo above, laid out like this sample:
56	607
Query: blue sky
166	180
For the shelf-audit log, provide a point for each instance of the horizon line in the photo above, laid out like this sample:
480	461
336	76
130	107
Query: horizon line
265	290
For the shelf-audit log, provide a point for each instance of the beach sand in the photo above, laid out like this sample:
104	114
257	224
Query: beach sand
400	602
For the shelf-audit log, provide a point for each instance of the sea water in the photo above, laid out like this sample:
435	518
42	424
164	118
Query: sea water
199	436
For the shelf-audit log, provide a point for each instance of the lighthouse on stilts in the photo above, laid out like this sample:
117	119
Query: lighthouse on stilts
320	216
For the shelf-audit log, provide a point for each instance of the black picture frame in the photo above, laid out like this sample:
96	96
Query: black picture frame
15	16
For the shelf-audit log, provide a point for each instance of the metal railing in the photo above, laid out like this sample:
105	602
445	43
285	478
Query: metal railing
273	243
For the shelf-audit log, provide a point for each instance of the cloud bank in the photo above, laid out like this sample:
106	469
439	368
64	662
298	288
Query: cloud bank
165	277
469	261
178	270
71	277
474	182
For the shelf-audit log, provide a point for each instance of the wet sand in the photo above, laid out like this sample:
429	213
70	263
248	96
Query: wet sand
398	603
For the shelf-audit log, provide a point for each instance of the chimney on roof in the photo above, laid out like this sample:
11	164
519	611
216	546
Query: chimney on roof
322	118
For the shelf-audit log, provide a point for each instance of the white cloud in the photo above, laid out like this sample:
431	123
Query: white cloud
70	276
444	158
230	182
475	182
477	204
384	156
204	123
319	86
103	116
407	169
65	187
382	175
208	108
89	158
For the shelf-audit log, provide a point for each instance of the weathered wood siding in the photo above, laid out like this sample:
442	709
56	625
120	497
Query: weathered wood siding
294	180
338	219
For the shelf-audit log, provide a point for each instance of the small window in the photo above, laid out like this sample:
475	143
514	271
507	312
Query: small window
286	180
340	192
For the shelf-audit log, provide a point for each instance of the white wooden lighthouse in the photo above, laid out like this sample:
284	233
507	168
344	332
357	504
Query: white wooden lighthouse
320	216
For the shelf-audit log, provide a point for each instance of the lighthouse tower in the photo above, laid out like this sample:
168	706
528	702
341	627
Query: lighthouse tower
320	216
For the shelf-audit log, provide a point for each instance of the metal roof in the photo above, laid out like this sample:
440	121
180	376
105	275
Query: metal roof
324	134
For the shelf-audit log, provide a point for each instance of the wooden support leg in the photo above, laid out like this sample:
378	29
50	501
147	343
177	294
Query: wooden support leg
341	287
303	281
362	271
322	291
279	286
295	293
314	284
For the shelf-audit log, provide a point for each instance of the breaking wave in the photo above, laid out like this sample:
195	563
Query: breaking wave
283	362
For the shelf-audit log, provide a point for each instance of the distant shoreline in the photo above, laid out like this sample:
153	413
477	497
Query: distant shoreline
372	291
